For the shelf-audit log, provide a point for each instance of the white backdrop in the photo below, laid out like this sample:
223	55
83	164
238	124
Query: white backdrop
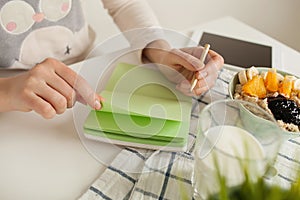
276	18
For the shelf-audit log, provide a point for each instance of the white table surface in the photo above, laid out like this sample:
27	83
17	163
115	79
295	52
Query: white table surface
45	159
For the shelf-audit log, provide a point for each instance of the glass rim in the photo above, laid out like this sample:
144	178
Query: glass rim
242	102
226	101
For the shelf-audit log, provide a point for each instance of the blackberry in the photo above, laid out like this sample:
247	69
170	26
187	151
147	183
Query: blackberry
284	109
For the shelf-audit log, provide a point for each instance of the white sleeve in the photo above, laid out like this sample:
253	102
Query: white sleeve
130	14
136	20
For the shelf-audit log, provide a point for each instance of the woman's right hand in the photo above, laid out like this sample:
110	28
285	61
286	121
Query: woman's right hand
49	88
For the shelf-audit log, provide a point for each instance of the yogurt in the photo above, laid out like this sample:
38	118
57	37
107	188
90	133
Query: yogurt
229	150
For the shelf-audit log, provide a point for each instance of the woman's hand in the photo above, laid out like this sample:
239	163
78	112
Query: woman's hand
49	88
186	62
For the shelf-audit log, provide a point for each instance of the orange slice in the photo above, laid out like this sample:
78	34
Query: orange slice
271	81
255	87
285	87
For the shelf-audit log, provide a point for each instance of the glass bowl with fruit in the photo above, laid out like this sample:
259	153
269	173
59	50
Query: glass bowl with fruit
275	91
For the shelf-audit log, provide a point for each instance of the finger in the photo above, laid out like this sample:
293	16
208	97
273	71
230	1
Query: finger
194	51
186	92
58	84
185	75
214	60
81	100
53	97
204	84
184	87
186	60
212	67
200	91
80	85
202	74
40	106
211	56
87	94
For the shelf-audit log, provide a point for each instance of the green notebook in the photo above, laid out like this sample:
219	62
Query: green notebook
141	109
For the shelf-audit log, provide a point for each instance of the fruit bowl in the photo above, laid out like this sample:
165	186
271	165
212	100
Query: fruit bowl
276	102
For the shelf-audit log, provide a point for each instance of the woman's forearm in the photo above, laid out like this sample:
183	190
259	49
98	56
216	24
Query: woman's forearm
154	50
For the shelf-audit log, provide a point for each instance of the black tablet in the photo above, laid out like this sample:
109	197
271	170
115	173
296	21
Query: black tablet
237	52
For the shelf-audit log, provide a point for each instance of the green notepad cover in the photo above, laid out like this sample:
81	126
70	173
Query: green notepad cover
141	106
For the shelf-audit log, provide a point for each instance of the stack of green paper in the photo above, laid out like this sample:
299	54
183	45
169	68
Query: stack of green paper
141	109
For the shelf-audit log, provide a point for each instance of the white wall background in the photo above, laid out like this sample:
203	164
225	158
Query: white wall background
279	19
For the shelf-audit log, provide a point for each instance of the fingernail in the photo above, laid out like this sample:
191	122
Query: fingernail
98	105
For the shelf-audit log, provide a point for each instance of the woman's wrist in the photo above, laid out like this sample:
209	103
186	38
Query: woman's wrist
155	51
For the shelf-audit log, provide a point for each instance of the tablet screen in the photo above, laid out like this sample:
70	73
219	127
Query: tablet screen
238	52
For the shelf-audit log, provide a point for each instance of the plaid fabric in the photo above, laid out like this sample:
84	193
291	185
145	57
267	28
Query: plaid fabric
146	174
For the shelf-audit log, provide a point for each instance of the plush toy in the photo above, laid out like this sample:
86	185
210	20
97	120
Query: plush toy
33	30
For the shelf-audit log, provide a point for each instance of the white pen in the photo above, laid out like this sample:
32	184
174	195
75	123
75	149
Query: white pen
202	58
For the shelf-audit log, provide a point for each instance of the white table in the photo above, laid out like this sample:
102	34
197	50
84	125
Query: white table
45	159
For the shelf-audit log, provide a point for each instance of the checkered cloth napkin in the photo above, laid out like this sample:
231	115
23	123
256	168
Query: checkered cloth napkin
147	174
